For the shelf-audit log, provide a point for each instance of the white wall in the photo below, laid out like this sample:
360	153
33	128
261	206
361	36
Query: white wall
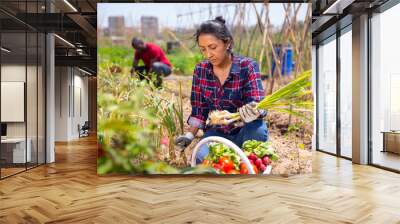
13	73
80	102
62	81
71	93
33	127
10	73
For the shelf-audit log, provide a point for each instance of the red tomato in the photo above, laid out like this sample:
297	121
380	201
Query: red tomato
242	165
216	166
244	170
226	164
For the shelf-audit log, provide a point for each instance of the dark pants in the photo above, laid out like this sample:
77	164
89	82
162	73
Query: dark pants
255	130
158	68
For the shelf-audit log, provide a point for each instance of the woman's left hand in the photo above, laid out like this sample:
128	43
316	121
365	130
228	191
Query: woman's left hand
249	112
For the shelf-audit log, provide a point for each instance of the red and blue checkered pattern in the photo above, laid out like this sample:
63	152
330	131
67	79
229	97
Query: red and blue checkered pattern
242	86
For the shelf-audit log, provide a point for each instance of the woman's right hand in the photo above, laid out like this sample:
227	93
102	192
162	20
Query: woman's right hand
249	112
184	140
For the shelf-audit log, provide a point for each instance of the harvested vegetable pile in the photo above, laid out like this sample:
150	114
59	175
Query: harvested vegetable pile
260	153
224	160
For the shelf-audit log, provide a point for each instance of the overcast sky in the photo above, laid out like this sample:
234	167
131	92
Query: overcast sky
167	13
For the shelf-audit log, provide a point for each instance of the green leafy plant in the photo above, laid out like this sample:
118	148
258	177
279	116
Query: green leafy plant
168	121
179	109
127	124
182	63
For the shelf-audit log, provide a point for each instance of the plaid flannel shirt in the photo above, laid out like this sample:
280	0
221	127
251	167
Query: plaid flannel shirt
242	86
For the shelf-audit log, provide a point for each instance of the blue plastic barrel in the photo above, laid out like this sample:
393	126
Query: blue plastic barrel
286	58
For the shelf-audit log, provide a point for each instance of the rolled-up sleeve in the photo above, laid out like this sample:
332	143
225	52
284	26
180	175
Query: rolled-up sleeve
200	108
253	88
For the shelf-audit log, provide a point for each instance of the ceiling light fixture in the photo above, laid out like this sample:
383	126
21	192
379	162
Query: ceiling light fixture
86	72
5	49
80	51
65	41
70	5
337	7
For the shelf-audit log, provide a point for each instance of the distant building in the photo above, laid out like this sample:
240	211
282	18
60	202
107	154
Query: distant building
106	32
116	29
149	26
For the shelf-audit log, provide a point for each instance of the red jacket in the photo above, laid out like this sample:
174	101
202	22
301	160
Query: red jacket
152	52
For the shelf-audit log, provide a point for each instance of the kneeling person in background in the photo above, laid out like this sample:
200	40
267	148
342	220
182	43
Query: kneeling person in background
154	59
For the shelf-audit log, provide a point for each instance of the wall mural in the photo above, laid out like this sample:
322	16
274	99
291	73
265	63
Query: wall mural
212	88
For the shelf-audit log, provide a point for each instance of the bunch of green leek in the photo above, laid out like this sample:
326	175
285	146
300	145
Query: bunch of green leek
288	99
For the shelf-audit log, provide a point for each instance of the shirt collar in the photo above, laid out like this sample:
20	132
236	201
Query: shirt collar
235	68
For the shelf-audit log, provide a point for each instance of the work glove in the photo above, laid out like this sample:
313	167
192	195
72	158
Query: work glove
249	112
184	140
